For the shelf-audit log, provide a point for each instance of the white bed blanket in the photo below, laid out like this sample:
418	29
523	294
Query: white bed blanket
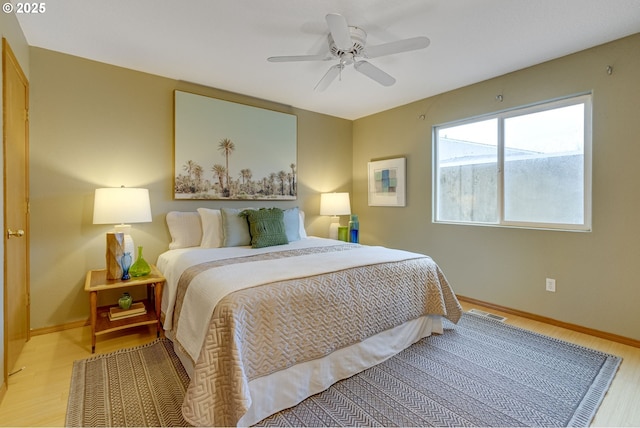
173	263
210	286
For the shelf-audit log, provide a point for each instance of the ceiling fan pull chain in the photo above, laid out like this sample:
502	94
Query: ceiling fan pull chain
341	68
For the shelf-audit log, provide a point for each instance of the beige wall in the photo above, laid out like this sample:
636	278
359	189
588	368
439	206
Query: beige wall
597	273
96	125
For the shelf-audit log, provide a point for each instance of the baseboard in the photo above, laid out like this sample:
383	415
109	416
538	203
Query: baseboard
574	327
55	328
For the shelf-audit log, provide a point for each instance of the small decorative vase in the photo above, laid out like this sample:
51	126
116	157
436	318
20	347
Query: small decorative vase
140	267
125	262
125	301
343	233
354	229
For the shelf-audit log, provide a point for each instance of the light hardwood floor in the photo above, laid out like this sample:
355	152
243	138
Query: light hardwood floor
37	395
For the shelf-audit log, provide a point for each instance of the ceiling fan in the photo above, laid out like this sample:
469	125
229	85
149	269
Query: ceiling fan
347	44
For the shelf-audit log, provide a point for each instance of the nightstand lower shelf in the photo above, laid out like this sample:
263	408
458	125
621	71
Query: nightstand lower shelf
104	325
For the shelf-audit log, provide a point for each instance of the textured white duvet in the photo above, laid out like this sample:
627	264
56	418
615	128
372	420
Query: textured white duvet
261	395
209	287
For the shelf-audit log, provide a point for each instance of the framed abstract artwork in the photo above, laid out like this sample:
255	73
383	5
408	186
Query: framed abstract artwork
387	183
230	151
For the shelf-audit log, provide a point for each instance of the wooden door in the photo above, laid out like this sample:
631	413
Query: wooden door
16	207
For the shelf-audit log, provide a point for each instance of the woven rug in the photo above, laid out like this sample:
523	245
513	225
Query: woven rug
137	387
480	372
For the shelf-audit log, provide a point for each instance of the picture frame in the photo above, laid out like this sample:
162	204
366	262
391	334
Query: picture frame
230	151
387	183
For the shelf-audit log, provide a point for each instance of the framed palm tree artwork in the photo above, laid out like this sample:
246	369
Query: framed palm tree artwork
231	151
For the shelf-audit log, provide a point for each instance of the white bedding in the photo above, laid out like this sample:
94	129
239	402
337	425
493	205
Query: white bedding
173	263
275	390
201	297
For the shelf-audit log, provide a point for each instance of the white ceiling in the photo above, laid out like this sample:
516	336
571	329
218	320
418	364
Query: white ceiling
225	43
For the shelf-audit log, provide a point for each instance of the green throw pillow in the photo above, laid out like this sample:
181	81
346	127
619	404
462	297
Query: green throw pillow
266	227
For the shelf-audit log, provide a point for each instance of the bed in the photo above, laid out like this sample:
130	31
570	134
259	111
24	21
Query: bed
259	328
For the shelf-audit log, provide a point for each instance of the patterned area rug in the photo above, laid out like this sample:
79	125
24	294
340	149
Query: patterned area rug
137	387
480	372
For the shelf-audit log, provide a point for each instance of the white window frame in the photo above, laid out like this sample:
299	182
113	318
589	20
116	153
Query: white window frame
586	100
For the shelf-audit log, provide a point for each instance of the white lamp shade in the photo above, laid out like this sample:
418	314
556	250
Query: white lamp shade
116	205
335	204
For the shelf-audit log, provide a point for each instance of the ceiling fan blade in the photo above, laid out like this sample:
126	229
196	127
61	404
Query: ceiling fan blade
293	58
328	77
374	73
396	47
340	31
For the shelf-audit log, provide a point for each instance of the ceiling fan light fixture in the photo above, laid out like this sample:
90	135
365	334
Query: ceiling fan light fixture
347	44
358	42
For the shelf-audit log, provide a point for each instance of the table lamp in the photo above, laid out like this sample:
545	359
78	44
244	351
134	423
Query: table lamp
334	204
120	205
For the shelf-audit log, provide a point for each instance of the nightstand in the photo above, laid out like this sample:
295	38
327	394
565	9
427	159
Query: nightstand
97	281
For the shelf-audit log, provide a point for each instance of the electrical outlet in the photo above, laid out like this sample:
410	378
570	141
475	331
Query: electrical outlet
551	285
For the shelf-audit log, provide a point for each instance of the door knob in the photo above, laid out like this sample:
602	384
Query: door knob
15	233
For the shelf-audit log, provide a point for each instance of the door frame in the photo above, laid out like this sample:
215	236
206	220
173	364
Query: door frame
9	60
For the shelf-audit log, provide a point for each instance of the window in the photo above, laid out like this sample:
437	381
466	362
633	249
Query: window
526	167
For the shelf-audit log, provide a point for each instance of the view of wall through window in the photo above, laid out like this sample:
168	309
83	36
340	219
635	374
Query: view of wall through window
525	167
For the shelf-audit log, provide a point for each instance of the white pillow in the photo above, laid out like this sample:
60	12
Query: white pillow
185	229
303	232
212	236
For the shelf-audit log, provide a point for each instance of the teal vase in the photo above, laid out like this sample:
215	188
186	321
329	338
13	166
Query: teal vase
140	267
125	263
354	229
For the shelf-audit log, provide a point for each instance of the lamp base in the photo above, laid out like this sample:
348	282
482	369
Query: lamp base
128	246
333	227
